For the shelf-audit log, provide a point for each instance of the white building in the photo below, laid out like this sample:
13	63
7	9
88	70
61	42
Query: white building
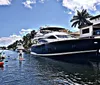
92	30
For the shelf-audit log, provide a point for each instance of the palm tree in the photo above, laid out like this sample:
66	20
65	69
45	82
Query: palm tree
81	19
27	39
33	33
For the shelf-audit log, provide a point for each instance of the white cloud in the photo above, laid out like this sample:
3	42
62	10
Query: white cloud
41	1
5	2
74	5
5	41
25	31
69	12
28	3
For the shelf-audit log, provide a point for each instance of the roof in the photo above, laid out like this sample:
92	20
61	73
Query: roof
85	25
94	17
56	33
53	28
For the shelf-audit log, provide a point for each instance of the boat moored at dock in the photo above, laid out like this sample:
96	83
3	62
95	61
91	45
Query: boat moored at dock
58	43
54	41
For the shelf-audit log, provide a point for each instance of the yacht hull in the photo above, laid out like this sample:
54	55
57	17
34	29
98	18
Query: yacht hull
67	48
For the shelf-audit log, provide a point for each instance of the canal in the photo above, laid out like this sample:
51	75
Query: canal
45	71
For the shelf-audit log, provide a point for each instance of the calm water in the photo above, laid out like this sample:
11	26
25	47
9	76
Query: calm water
44	71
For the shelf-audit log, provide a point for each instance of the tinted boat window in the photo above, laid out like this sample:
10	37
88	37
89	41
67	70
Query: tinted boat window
51	37
64	36
42	41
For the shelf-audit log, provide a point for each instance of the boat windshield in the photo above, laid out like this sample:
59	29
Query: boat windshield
51	37
42	41
64	36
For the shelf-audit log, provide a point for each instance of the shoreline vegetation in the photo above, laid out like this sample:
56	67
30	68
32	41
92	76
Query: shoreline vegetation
78	20
26	42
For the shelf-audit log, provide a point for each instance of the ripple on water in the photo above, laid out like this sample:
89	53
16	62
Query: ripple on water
44	71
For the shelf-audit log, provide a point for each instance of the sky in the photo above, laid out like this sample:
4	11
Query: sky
19	17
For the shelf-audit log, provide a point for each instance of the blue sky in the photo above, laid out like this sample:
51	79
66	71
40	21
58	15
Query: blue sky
21	16
16	17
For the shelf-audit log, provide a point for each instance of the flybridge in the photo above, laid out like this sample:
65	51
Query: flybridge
47	29
50	42
52	28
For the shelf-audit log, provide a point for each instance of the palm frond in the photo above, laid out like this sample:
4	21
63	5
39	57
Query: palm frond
75	24
81	18
74	18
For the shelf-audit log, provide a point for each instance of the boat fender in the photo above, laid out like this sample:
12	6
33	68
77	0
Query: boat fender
99	50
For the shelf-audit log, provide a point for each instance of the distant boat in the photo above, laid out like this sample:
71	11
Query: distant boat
19	46
52	41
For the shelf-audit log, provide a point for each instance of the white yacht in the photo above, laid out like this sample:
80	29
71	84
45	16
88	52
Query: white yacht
20	47
52	41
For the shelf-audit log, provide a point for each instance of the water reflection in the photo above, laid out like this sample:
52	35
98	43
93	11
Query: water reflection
96	66
45	71
64	72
